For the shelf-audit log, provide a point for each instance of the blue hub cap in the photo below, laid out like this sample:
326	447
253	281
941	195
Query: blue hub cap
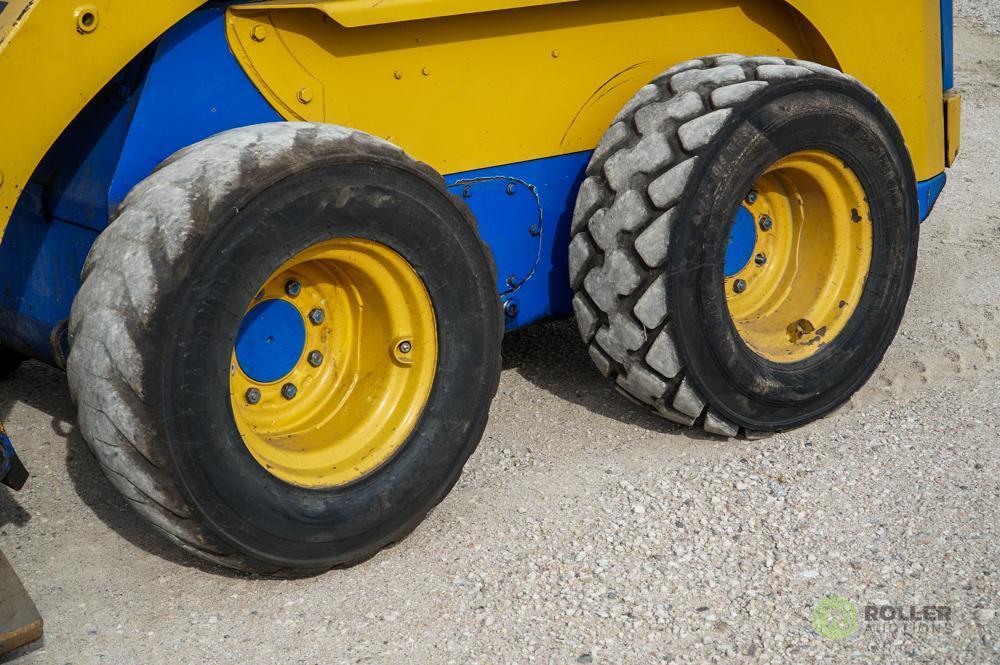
742	240
270	341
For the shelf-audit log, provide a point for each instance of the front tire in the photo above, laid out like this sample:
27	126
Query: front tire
745	242
198	310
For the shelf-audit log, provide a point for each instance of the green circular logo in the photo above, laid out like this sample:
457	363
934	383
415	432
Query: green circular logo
835	618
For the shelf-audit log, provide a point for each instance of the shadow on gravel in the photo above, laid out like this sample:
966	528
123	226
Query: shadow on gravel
553	357
44	388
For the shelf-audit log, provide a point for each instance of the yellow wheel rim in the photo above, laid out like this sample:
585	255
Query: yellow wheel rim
810	259
359	382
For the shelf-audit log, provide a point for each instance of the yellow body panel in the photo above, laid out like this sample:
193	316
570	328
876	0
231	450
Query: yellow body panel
55	55
355	13
480	89
475	89
953	125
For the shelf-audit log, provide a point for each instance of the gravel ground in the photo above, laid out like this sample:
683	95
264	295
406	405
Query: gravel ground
586	531
983	14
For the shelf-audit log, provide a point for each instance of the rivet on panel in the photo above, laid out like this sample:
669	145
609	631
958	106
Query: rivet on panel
87	19
425	71
398	74
555	53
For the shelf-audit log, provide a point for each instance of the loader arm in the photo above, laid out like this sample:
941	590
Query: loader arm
55	55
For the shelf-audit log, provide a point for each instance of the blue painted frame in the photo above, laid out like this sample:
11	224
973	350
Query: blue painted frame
947	45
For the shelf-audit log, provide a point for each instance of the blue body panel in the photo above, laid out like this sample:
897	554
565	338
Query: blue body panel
947	45
543	291
188	87
40	263
57	218
928	192
195	88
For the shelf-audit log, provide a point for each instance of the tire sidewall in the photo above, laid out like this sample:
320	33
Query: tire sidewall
812	113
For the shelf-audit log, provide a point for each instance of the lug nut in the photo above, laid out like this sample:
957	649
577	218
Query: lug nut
252	396
315	358
316	316
293	288
760	259
405	346
751	197
288	391
739	286
765	223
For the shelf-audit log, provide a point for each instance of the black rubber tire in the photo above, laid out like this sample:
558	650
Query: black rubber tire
9	361
164	290
653	215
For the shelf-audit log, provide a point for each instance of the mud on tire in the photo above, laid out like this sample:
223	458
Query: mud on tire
153	325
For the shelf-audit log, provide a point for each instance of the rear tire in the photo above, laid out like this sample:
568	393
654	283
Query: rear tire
653	295
154	328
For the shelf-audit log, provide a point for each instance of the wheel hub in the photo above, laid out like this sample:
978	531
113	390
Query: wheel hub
742	241
811	247
270	341
333	363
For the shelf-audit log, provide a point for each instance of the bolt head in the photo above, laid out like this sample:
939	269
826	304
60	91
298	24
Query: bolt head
288	391
739	286
405	346
510	189
510	309
317	316
252	396
293	288
766	223
315	358
535	230
751	197
760	259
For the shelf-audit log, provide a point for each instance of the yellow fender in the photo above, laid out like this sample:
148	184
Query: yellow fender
55	55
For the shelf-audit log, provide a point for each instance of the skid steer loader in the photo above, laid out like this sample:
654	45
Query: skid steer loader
276	244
